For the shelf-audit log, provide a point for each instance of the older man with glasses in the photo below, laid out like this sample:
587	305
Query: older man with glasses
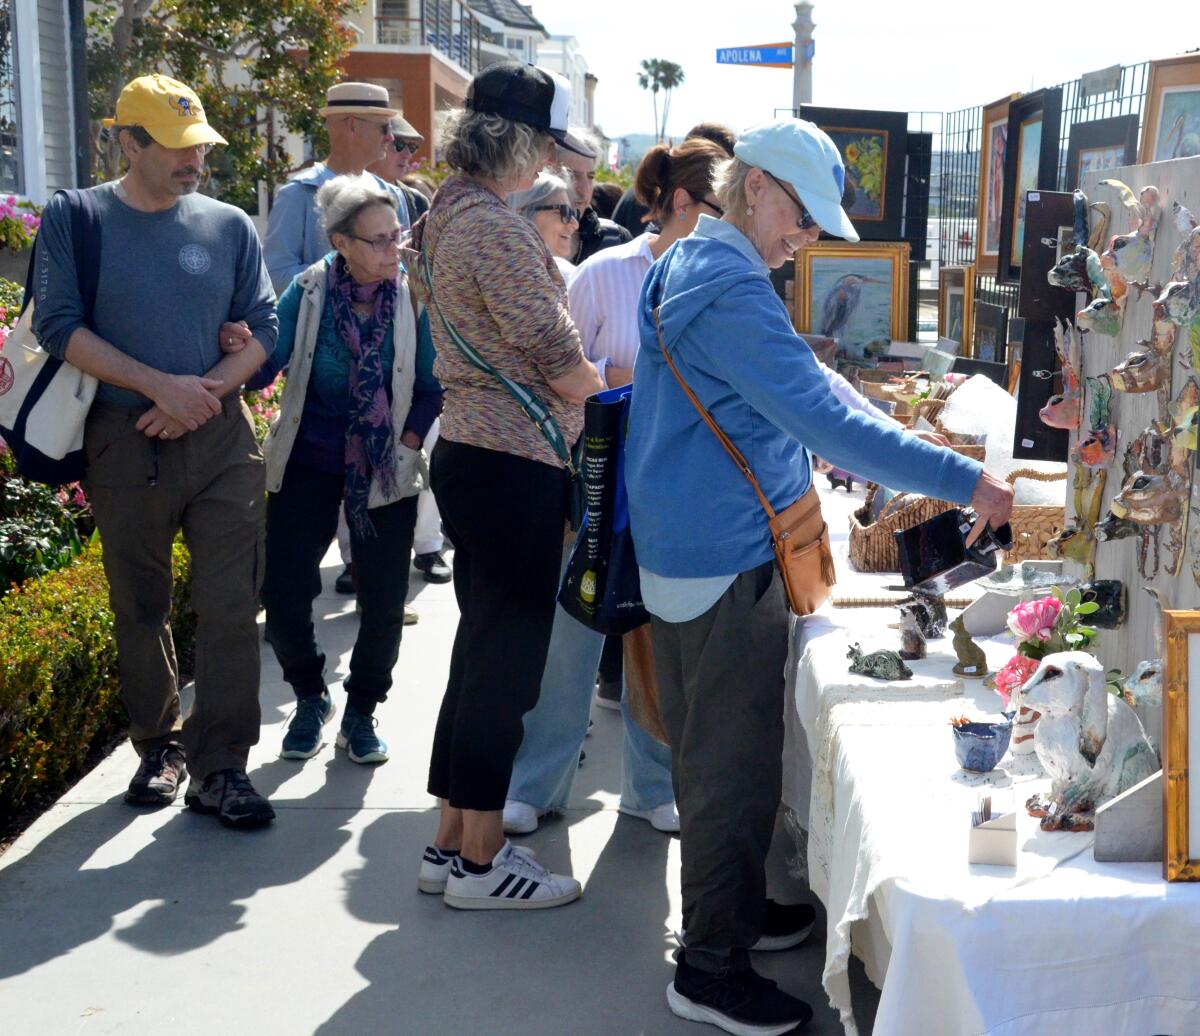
399	160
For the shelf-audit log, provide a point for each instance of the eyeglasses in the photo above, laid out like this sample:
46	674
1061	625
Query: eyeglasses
382	244
566	213
806	221
711	204
385	128
401	145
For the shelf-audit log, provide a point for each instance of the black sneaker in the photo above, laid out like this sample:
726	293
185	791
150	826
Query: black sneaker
229	795
158	776
345	582
785	926
741	1002
433	567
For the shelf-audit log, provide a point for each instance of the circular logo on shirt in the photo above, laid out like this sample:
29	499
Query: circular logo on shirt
7	377
195	259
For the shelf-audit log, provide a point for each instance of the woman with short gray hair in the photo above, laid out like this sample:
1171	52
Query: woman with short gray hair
359	399
547	205
509	356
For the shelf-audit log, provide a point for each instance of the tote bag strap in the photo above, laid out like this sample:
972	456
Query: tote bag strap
534	408
85	244
724	439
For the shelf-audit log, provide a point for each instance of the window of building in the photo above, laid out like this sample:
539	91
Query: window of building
516	43
10	144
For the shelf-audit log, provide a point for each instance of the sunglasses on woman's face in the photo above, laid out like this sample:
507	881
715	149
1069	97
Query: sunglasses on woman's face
806	221
565	212
402	145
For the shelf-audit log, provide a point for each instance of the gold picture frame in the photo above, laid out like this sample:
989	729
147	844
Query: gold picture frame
957	280
1173	89
1182	676
854	293
992	156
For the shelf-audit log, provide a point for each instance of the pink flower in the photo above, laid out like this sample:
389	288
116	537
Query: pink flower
1035	620
1010	679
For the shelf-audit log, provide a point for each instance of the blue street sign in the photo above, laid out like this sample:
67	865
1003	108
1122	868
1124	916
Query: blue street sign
754	56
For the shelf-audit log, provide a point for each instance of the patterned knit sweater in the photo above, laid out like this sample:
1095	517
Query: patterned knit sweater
496	282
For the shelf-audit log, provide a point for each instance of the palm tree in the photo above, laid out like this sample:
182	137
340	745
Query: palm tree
656	75
650	78
671	76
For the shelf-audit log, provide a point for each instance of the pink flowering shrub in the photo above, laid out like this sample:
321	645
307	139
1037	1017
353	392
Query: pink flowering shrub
19	222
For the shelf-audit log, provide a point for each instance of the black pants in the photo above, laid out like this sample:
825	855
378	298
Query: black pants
720	682
301	523
505	516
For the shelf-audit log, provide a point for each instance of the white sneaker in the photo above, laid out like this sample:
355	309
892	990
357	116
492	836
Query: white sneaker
663	818
520	818
515	882
435	868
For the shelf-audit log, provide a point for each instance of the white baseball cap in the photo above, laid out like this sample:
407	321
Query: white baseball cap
803	156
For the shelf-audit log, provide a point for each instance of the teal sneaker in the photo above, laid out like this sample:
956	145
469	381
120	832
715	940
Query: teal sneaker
303	737
359	739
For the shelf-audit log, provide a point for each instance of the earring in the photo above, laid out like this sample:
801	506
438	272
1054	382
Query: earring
749	210
680	214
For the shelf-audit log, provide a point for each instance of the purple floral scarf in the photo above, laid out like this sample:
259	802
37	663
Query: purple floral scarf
370	443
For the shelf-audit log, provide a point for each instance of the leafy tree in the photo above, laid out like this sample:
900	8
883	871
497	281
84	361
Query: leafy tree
657	74
260	68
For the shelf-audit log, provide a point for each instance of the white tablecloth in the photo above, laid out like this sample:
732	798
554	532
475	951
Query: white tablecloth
1058	945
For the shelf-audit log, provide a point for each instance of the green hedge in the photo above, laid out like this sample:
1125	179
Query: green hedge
59	690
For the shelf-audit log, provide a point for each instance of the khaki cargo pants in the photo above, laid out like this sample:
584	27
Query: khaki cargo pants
211	485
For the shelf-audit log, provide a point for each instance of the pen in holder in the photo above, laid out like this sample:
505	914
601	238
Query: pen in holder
993	835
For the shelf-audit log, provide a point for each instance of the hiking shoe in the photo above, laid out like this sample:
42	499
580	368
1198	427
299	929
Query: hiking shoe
303	737
520	818
664	818
345	582
229	795
740	1002
515	881
435	869
158	776
433	567
785	926
357	736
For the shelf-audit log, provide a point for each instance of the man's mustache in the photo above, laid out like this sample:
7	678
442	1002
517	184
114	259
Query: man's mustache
187	171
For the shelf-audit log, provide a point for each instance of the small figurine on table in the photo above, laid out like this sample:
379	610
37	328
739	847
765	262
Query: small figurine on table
912	640
882	665
972	663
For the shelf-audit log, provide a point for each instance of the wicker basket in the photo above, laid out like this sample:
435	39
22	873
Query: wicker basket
930	409
873	547
1035	525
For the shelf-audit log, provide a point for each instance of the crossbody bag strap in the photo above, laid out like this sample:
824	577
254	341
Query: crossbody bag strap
724	439
534	408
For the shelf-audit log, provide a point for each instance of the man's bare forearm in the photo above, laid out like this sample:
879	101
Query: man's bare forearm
92	354
233	370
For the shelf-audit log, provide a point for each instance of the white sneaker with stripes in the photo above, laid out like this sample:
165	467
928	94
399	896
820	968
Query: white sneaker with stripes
515	882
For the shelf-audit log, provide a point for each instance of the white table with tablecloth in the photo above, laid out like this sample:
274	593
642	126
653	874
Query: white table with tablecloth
1057	945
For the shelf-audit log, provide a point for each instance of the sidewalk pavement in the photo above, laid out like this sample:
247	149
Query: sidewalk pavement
116	919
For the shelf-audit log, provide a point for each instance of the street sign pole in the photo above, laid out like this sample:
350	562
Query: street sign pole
802	61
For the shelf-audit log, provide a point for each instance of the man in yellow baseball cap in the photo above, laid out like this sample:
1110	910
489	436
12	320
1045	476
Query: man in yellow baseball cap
167	110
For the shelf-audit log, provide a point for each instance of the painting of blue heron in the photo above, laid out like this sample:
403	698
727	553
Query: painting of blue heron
852	303
1178	123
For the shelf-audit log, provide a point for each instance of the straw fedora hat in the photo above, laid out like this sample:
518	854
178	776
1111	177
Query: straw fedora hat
358	99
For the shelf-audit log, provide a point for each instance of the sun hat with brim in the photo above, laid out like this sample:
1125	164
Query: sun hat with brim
802	155
358	99
166	109
529	94
404	129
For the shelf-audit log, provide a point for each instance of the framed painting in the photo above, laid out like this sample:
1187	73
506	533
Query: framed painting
991	184
1030	164
873	146
991	326
1181	747
854	293
1049	234
1099	145
1172	124
956	305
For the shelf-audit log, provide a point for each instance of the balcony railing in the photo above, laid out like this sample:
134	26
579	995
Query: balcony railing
446	25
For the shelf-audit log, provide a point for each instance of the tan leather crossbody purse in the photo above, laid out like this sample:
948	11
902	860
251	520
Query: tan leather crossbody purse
799	534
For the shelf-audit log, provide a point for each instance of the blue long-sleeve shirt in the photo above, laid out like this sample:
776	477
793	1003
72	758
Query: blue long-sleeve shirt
692	513
168	281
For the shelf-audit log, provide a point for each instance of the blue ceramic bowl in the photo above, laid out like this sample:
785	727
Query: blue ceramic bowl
980	746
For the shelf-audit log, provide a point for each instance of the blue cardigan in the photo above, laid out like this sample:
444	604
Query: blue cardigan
692	513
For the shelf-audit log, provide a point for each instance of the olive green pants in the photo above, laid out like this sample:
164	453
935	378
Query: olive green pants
209	484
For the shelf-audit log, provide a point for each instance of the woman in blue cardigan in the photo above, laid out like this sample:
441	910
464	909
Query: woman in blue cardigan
719	613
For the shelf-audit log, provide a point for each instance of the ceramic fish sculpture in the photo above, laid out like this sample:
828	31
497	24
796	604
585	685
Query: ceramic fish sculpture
1077	542
1102	315
1128	256
1097	447
1081	270
1090	742
1100	223
1144	371
1144	685
882	665
1062	410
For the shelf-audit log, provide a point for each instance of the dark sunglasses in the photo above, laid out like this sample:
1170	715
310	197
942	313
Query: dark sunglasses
566	213
402	145
711	204
806	221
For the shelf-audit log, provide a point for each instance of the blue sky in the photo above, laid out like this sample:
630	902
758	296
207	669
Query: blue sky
935	55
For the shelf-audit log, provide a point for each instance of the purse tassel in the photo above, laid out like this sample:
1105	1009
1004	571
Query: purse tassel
828	573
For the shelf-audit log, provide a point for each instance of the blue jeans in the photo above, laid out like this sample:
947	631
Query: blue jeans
554	730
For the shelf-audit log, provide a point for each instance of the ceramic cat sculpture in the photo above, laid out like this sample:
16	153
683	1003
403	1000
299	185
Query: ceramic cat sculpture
972	662
1090	743
882	665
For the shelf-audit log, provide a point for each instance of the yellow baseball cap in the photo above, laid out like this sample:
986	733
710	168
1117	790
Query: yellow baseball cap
166	109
